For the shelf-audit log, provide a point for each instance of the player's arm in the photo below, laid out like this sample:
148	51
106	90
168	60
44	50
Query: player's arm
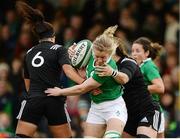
86	86
157	86
27	84
26	76
121	77
72	74
67	68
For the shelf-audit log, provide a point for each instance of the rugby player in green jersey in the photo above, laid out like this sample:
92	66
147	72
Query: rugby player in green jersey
144	51
108	114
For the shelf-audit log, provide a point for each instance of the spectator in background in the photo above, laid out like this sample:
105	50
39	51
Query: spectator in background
4	71
8	43
5	125
59	22
76	23
170	52
69	37
172	27
128	23
150	31
6	106
94	31
112	12
15	78
23	44
12	22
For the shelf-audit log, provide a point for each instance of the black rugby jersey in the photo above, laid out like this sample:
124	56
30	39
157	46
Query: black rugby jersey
136	95
43	66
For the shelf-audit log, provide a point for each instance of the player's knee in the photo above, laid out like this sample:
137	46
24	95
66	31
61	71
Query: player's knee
142	136
21	136
112	134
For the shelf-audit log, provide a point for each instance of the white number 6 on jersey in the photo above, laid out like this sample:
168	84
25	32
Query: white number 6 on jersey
37	56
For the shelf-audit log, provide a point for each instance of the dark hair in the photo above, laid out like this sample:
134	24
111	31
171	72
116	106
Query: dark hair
153	48
36	19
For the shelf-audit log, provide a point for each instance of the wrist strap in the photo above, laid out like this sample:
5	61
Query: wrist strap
114	73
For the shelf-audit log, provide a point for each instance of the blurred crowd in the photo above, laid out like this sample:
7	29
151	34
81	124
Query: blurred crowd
73	21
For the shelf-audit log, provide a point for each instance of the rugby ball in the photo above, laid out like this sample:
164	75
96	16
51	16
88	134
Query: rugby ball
83	51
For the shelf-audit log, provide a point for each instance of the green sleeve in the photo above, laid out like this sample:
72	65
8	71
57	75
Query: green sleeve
152	73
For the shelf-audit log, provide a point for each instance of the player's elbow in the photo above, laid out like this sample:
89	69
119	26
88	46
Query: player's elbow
161	89
124	81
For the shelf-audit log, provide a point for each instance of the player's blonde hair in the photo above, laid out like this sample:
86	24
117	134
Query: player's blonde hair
105	42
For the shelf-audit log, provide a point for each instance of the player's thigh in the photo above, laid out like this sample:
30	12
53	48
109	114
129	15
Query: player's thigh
130	128
61	131
116	117
94	130
114	128
58	117
148	131
25	128
29	116
56	112
115	124
149	124
95	124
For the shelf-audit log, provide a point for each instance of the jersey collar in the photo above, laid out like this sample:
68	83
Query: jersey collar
146	60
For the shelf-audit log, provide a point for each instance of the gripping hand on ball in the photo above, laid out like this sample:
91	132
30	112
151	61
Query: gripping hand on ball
71	50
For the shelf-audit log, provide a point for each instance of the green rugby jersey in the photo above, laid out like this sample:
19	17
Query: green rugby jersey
150	72
109	87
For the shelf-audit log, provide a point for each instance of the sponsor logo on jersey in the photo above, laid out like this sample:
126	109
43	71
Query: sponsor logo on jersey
144	120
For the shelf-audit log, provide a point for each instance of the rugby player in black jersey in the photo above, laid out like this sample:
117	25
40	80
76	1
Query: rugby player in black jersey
43	64
143	113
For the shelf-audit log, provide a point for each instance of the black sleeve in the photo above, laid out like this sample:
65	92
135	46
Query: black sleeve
63	57
129	68
26	73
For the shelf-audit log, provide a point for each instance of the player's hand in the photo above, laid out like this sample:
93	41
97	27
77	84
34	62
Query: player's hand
71	50
56	91
105	70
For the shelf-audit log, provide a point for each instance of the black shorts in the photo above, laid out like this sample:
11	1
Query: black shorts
33	109
150	118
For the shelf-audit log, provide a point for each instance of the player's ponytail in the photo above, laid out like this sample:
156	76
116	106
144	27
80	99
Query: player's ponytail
36	19
105	42
118	43
120	50
110	31
153	48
